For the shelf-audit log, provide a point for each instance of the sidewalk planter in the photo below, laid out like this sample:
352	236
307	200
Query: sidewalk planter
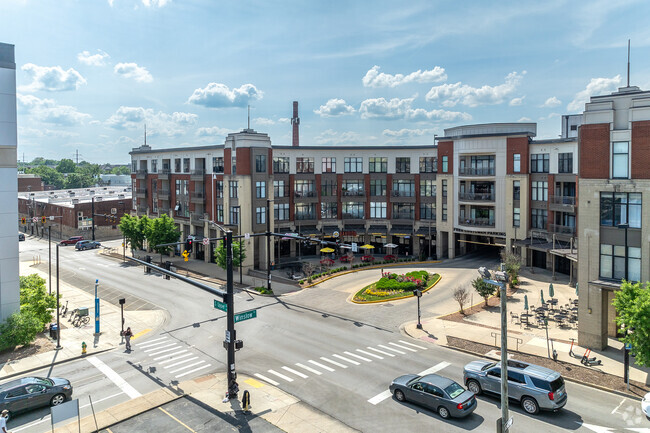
395	286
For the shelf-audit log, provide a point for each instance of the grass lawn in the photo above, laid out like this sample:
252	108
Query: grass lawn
369	294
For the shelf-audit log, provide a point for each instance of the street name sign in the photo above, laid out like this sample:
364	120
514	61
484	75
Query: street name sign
220	305
251	314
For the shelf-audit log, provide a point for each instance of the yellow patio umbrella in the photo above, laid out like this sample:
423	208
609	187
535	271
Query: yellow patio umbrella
367	247
327	250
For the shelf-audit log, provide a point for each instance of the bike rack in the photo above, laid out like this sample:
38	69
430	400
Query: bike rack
517	339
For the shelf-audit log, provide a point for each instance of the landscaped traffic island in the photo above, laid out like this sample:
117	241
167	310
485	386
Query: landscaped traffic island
396	286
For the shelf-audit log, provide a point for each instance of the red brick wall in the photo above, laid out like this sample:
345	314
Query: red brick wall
244	160
593	150
640	149
517	145
227	161
446	148
30	184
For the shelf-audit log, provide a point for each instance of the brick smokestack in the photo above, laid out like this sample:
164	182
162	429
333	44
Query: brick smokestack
295	121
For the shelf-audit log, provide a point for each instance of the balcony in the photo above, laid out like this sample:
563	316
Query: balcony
396	193
476	196
472	171
476	222
562	230
197	197
163	194
218	169
402	216
197	174
141	174
196	217
141	192
354	193
163	210
142	209
562	203
304	194
164	174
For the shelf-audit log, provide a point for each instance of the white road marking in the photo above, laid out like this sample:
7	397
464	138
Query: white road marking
297	373
638	430
402	347
380	351
192	371
281	376
619	405
379	397
385	394
155	344
173	359
181	362
596	428
266	379
346	359
318	364
148	342
358	356
114	377
164	351
101	399
370	354
165	356
308	369
161	347
186	367
390	348
333	362
414	345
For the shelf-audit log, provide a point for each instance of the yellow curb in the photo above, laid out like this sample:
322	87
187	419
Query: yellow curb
140	334
394	299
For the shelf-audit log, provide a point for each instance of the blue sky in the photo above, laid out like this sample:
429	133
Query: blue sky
91	73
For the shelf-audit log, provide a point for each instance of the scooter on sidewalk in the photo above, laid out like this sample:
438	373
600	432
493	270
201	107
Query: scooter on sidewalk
571	352
590	362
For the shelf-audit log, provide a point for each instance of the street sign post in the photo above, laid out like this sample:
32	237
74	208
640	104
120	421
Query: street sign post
206	241
251	314
220	305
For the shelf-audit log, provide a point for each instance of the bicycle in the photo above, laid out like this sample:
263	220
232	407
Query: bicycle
74	313
81	320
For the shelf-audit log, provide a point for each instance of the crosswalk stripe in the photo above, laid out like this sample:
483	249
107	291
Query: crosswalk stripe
318	364
297	373
370	354
379	397
333	362
358	356
166	350
435	368
174	359
152	345
381	351
402	347
161	347
181	362
308	368
148	342
186	367
165	356
414	345
281	376
390	348
346	359
193	371
266	379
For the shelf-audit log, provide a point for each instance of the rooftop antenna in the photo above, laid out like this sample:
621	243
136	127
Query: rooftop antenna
145	134
628	63
249	117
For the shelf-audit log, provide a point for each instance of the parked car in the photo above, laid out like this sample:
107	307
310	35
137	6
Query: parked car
86	245
21	236
33	392
533	386
645	405
434	392
72	241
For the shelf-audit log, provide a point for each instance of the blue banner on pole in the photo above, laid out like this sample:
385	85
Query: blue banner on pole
96	315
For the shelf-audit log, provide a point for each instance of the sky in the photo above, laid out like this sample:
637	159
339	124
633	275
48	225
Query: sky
91	73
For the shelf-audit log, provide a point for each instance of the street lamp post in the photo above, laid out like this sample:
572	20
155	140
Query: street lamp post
268	244
92	214
49	262
418	294
58	308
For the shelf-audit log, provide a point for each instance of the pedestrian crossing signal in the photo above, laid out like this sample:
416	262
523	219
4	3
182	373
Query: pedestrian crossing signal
43	219
23	220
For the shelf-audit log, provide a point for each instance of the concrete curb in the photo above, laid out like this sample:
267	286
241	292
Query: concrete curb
392	299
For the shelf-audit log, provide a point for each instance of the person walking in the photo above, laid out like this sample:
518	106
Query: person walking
127	336
3	421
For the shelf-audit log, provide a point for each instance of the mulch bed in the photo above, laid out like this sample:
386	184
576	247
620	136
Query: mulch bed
41	344
586	375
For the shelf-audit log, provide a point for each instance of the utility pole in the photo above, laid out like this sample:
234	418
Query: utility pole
92	211
230	332
268	244
49	261
58	308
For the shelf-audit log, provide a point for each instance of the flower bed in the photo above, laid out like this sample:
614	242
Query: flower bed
391	286
327	262
390	258
367	258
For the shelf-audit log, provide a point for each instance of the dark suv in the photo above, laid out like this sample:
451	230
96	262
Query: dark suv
72	241
86	245
33	392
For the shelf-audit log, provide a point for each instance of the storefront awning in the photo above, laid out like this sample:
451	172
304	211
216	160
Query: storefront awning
309	230
329	230
401	230
377	230
424	231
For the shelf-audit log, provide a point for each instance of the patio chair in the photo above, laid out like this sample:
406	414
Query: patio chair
514	316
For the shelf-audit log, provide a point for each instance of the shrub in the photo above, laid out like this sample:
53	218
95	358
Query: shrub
301	282
20	329
263	290
34	298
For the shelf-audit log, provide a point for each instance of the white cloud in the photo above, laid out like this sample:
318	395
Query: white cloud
46	110
456	93
516	101
396	108
284	120
335	107
171	125
550	116
374	78
98	59
45	133
132	70
552	102
217	95
51	78
596	86
212	131
331	137
155	3
408	132
524	119
263	121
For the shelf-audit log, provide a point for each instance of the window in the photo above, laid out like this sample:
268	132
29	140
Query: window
402	165
516	217
280	189
304	165
186	165
516	163
495	372
280	164
260	163
403	188
234	215
539	163
620	208
565	163
352	187
304	188
260	189
305	211
220	213
260	215
444	211
352	165
377	209
281	211
154	166
516	377
377	164
217	164
329	210
540	383
134	166
445	164
538	218
17	392
516	189
353	210
328	188
377	187
620	158
427	211
444	188
539	191
329	165
427	188
234	188
177	165
612	262
233	165
428	164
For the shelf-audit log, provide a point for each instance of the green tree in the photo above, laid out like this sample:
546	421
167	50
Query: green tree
66	166
19	329
484	289
78	180
632	304
162	231
122	170
131	229
92	170
35	299
49	175
513	265
220	254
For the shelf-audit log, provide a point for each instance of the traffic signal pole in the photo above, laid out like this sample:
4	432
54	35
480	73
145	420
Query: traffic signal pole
92	211
233	388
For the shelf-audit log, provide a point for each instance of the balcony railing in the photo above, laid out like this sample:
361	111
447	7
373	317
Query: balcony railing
396	193
476	196
162	210
164	173
402	216
141	174
305	216
163	194
142	209
476	222
353	216
354	192
197	197
560	229
563	200
141	192
217	169
197	174
301	194
472	171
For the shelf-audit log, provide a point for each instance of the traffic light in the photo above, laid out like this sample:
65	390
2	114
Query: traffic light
23	220
43	219
188	245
